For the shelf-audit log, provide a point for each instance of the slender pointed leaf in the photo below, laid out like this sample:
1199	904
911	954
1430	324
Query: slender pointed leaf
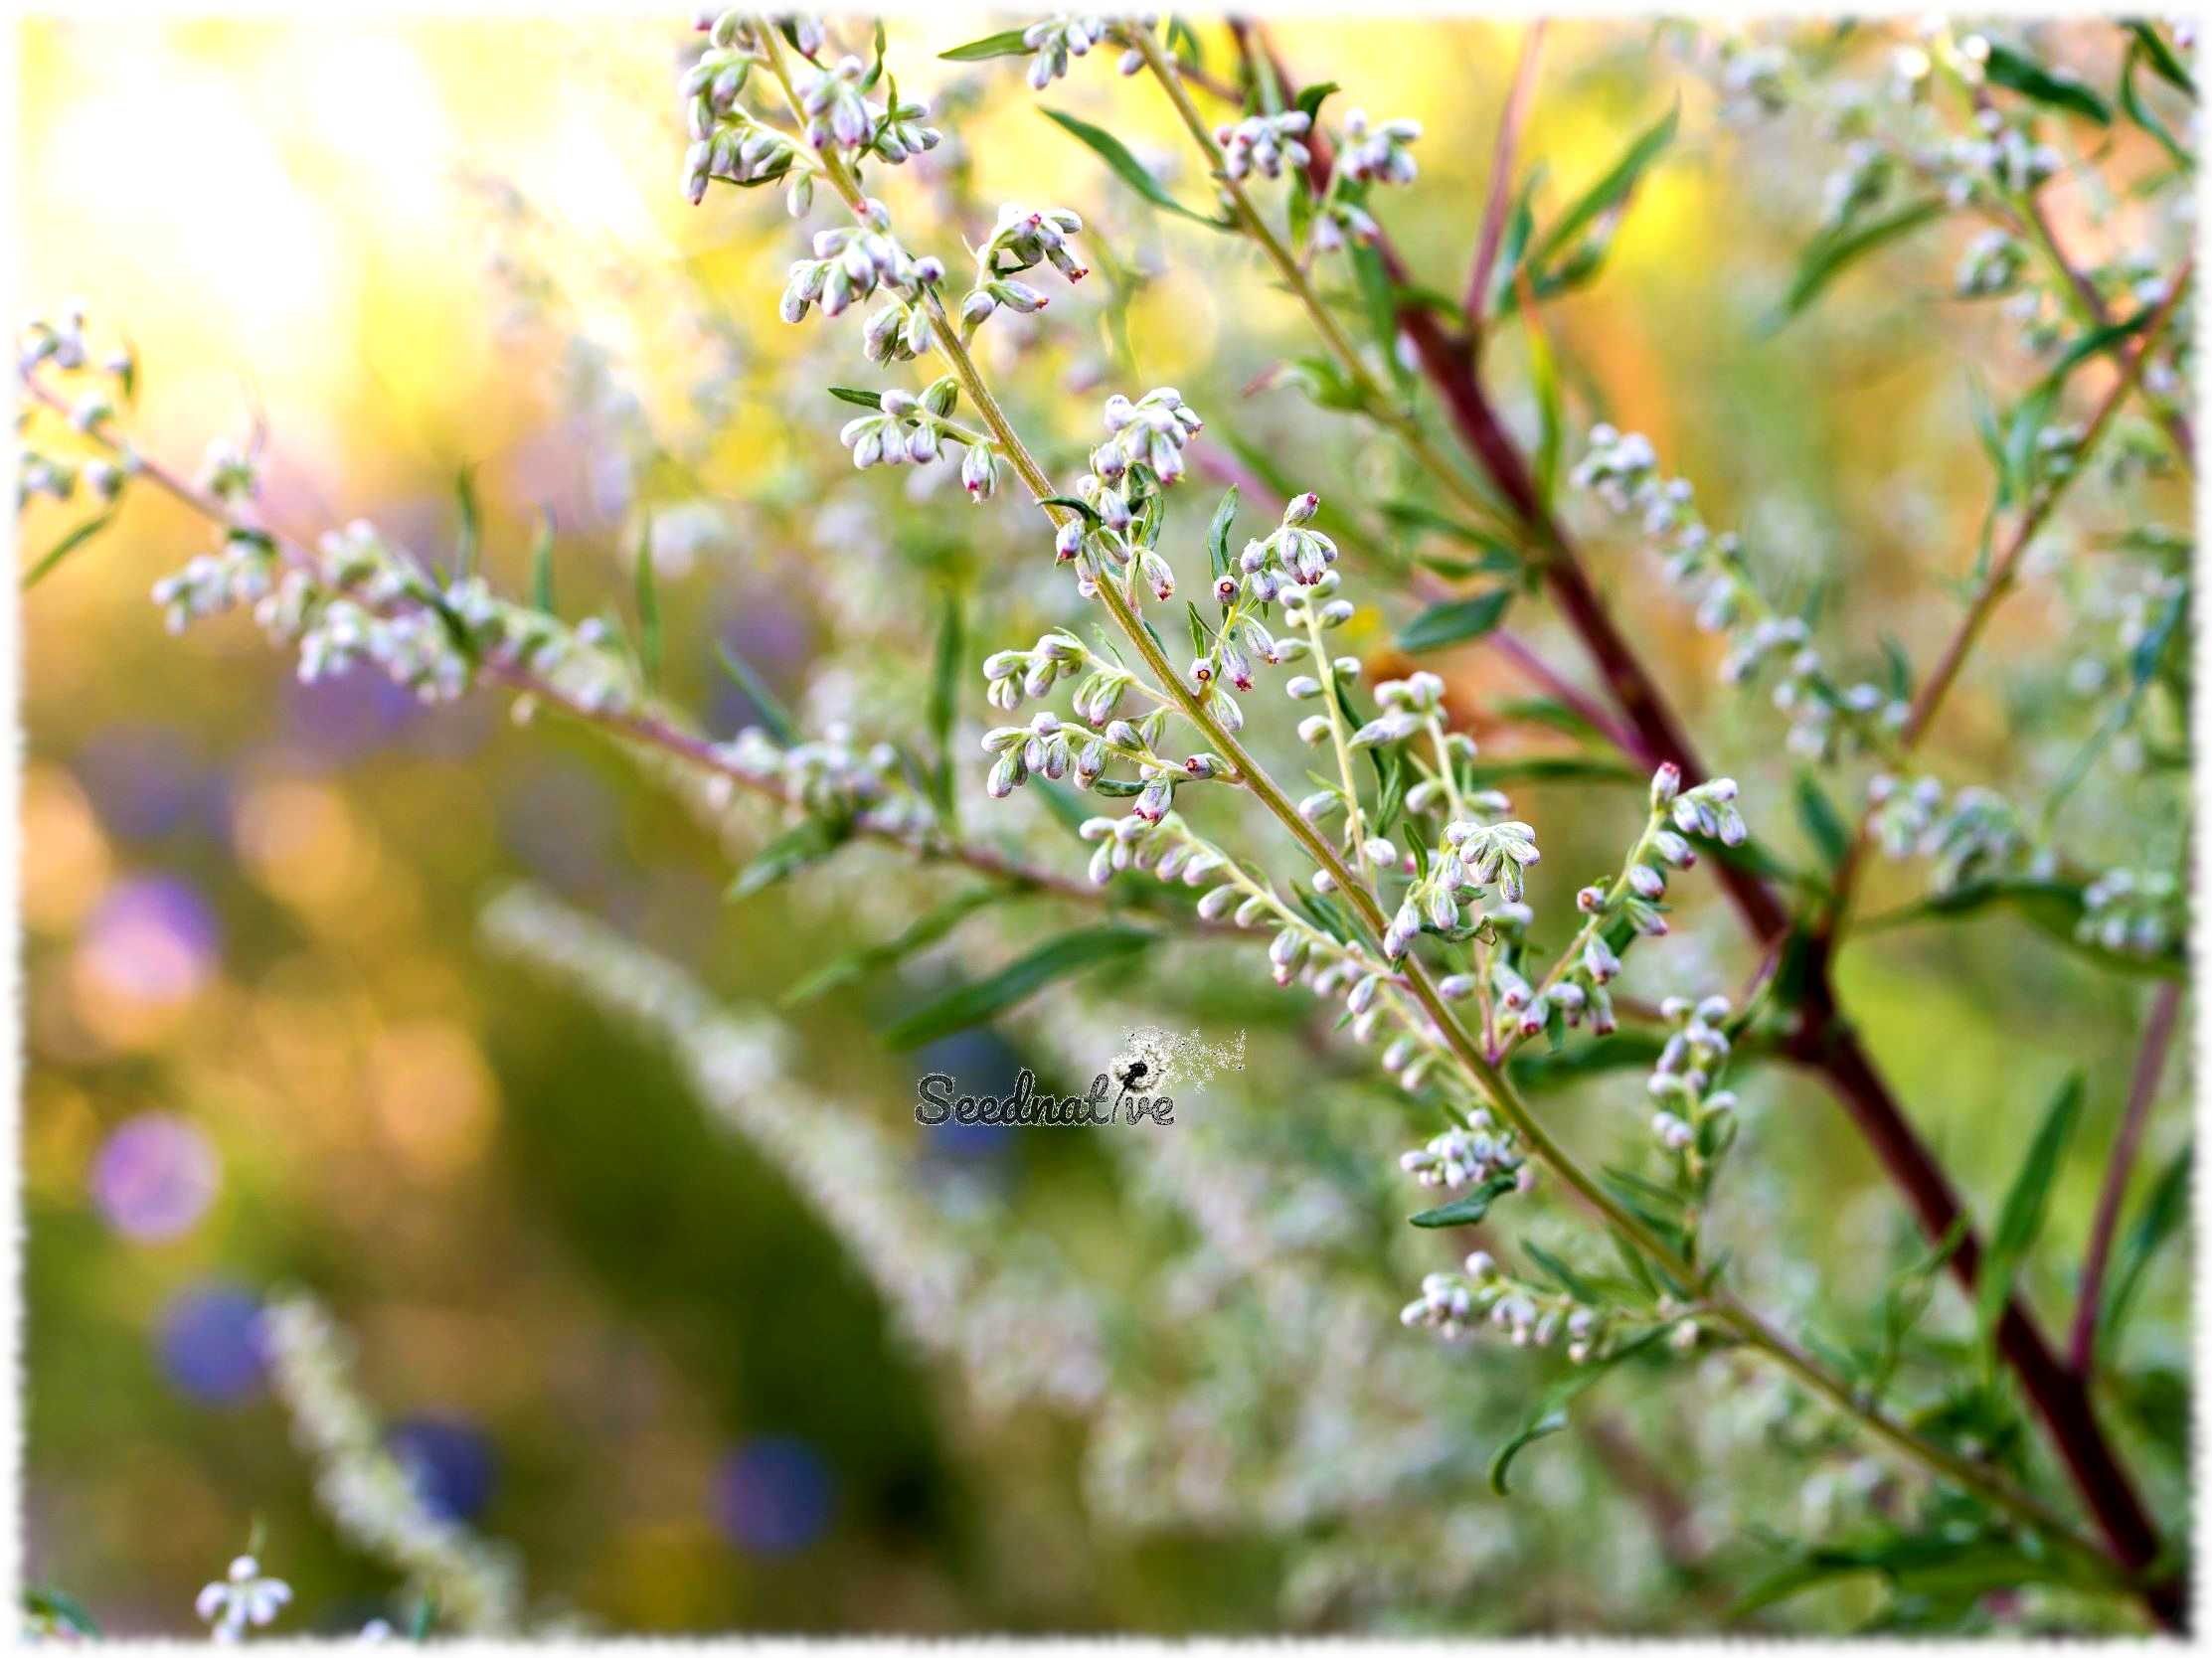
1125	166
2024	1205
82	536
1466	1211
1455	621
774	718
1007	43
971	1004
1829	256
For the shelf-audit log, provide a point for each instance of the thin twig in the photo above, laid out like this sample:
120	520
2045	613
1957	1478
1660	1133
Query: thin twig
2143	1088
1510	122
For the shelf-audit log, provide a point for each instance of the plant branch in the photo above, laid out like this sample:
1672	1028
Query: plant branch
1998	580
1826	1043
648	728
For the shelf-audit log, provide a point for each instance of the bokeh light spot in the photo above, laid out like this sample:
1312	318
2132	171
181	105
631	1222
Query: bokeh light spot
155	1177
773	1495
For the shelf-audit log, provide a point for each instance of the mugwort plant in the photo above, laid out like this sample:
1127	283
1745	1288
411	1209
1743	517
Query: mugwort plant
1397	886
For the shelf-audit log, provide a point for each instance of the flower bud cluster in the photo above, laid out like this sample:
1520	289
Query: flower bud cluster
1379	153
1290	557
1057	39
1142	454
42	340
1451	1302
1240	641
1409	706
1156	840
2003	154
1022	239
1693	1116
832	776
37	474
243	1598
1622	469
1472	857
1266	144
1464	1156
1336	222
850	262
377	1503
1992	264
1042	747
1026	237
905	430
1153	430
2134	912
1011	675
240	571
1975	835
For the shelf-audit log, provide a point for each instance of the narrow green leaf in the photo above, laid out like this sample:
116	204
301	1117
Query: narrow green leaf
1466	1211
472	523
859	964
1822	823
648	609
1007	43
1125	166
793	850
1561	1273
1611	192
855	394
1550	1415
2133	105
1538	1426
1199	640
1455	621
2024	1206
1216	535
971	1004
2162	58
82	536
1310	99
1829	256
945	697
776	720
540	562
425	1617
2020	73
1073	504
2164	1213
1543	373
1380	302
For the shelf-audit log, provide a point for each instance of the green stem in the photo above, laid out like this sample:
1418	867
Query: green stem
1327	669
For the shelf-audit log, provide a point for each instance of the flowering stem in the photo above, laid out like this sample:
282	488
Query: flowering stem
1598	919
646	727
1376	401
2003	573
1827	1044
